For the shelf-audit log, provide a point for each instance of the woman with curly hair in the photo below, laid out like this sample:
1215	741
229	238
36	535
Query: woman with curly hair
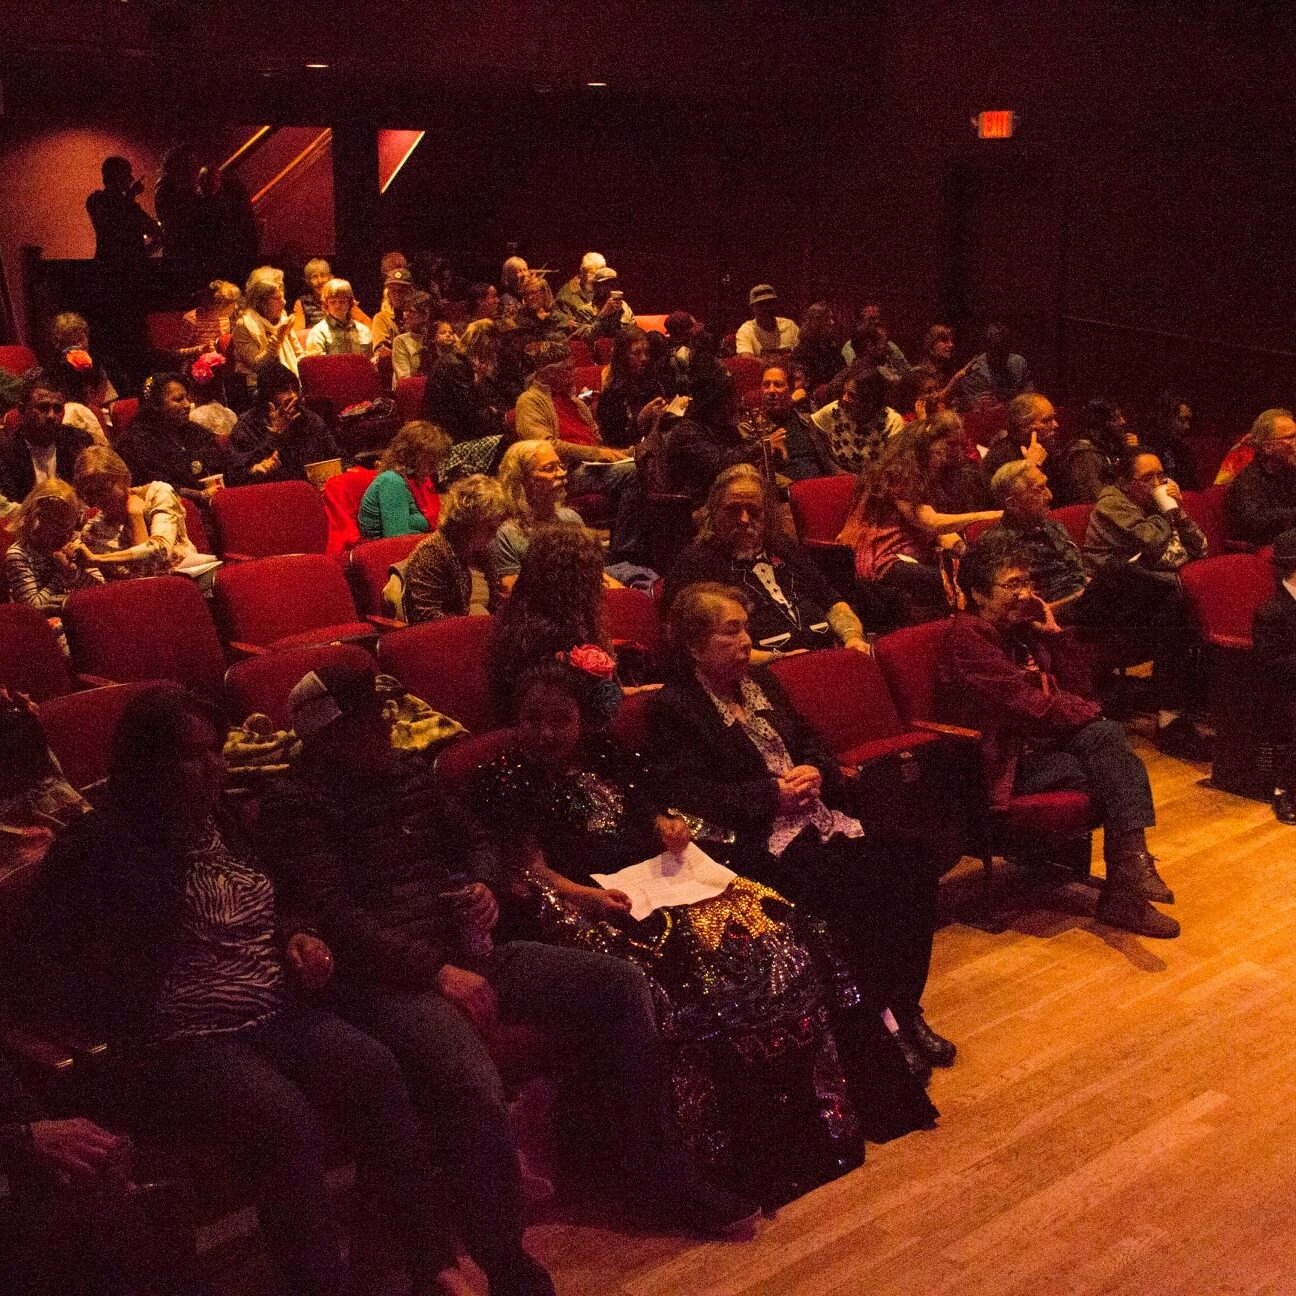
556	605
900	524
452	573
388	507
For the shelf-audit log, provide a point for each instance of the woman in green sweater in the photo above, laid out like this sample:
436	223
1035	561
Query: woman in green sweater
388	507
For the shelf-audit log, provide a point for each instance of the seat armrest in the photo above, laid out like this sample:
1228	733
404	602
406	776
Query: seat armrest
1239	643
948	730
1239	546
385	623
32	1048
92	681
246	649
237	557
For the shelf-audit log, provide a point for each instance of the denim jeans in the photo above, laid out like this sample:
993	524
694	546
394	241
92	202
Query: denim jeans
619	481
597	1011
268	1095
1096	759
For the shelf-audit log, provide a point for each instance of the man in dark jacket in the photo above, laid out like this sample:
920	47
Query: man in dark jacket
1261	500
1273	638
278	436
1010	671
401	883
42	445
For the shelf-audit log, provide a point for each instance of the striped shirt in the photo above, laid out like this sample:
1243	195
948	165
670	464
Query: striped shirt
42	582
228	973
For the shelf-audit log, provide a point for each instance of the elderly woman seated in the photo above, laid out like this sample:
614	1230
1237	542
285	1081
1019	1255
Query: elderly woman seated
792	607
1009	670
728	747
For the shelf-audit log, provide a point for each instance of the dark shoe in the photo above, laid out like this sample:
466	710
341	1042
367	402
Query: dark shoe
1184	741
918	1065
1126	908
1284	806
1143	875
936	1049
713	1212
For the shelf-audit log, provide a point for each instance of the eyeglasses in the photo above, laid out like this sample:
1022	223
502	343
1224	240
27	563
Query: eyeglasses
1017	585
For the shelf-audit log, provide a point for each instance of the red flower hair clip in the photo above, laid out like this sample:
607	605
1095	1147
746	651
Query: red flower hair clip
591	659
78	358
203	370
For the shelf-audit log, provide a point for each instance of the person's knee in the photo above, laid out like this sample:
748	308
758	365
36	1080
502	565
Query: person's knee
1104	735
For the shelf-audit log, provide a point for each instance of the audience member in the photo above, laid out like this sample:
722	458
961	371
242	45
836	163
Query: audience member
178	203
1169	434
163	443
465	397
996	376
535	486
700	446
796	444
1081	471
278	436
1031	433
308	309
41	567
766	331
1140	537
632	397
901	525
938	354
175	948
1010	671
209	321
793	607
816	349
398	292
588	305
1261	500
871	344
338	332
389	506
857	425
729	748
1273	637
207	379
408	345
42	445
125	234
264	332
81	378
512	275
452	572
483	302
537	323
138	530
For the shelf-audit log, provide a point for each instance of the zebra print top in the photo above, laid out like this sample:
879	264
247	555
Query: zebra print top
228	973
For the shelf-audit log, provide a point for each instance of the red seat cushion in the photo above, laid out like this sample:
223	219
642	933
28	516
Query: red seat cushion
820	505
31	660
1063	814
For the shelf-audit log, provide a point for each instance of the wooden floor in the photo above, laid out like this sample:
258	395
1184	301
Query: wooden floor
1120	1118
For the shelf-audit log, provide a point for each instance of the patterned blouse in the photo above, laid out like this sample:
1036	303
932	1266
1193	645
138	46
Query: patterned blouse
787	827
228	973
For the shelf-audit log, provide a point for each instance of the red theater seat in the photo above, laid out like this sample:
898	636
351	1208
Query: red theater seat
1075	518
196	526
272	518
155	628
263	683
370	567
409	397
288	601
342	495
79	728
31	660
341	380
444	663
17	359
820	506
746	372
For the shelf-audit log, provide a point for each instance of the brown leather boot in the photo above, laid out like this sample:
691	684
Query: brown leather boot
1124	901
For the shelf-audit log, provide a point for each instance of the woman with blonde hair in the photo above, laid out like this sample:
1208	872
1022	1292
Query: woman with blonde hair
452	572
264	331
139	530
210	320
388	507
41	566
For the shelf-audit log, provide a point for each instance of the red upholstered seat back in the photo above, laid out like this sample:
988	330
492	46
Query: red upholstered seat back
1075	518
341	380
342	495
123	415
1206	508
630	724
651	323
263	683
369	566
31	660
155	628
630	617
908	659
196	526
842	694
17	359
166	330
444	663
409	396
746	372
984	424
459	762
588	376
820	505
79	728
270	599
1224	593
581	353
271	518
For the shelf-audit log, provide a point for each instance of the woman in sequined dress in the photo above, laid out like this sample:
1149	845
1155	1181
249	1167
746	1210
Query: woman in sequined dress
751	997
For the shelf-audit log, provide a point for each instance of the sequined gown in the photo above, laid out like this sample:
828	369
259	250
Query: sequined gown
751	997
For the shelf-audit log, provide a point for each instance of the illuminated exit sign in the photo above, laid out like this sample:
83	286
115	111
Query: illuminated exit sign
994	125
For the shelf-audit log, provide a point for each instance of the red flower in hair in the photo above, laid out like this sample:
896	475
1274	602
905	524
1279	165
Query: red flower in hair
78	358
206	365
591	659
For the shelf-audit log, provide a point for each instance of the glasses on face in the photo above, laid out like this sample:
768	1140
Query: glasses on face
1157	478
1015	585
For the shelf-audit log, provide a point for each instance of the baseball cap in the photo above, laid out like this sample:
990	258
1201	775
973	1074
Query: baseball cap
401	275
603	274
328	693
762	292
